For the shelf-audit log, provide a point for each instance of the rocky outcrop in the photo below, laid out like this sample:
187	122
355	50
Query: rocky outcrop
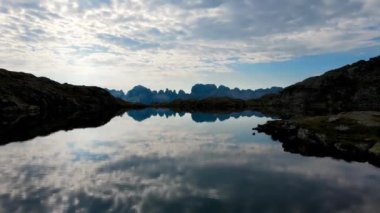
25	93
352	87
353	136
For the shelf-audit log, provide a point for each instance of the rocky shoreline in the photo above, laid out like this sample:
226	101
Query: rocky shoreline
352	136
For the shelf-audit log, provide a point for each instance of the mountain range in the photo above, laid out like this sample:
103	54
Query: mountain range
141	94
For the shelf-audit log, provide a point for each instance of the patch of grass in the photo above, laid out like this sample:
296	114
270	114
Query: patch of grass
313	122
355	133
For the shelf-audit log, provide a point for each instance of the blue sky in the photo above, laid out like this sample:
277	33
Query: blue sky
177	43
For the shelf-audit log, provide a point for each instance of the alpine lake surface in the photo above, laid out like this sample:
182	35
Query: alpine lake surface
161	161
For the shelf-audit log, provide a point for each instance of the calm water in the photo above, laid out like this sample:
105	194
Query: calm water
160	161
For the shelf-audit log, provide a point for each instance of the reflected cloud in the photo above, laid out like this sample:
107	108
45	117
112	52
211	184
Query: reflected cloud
177	165
80	155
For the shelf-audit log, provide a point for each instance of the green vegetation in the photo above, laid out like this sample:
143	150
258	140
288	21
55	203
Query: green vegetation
344	128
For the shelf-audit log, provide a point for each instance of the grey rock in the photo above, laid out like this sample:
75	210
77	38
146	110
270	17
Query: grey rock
303	134
342	128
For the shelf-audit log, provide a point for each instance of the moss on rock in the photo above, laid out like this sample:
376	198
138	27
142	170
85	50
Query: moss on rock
350	135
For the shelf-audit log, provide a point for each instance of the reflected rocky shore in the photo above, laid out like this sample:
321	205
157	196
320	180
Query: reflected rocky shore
23	127
352	136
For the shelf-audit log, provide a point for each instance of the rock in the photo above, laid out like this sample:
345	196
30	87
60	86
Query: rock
316	136
321	137
375	149
332	119
342	128
302	134
342	147
363	147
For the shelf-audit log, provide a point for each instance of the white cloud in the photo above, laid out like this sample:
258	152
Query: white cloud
140	38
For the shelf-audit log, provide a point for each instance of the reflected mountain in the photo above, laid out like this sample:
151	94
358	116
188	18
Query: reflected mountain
199	117
141	115
26	126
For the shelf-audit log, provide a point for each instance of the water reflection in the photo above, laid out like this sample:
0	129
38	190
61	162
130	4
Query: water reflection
199	117
177	165
141	115
25	127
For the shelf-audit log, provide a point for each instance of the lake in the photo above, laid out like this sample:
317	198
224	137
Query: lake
161	161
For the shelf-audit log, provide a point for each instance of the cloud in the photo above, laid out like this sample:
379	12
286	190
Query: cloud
127	42
193	37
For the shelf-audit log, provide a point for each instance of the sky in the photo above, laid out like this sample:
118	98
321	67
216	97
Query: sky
177	43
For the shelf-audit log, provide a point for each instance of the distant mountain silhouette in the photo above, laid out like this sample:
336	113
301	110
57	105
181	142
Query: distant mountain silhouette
141	94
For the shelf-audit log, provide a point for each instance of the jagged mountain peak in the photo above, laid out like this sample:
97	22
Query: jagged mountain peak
199	91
